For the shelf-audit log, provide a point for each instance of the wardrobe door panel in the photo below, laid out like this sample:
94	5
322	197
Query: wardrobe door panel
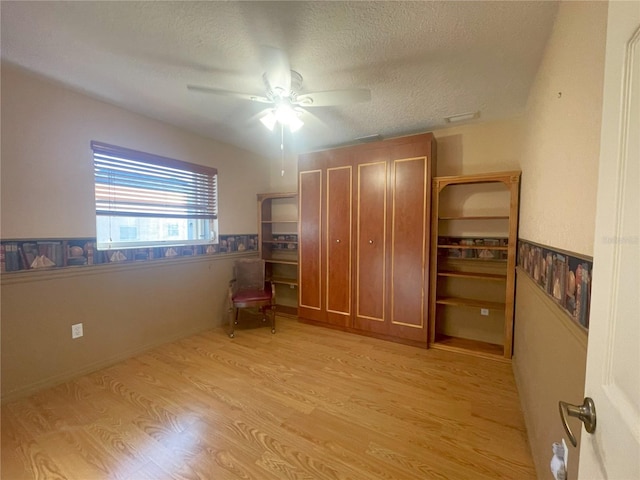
310	245
371	244
338	242
409	236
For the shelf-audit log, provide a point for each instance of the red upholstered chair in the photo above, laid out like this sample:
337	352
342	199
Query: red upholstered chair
248	289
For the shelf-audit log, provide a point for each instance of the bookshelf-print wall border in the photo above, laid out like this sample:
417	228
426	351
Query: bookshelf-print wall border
564	276
38	254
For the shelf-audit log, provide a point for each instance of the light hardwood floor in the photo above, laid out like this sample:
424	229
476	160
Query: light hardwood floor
305	403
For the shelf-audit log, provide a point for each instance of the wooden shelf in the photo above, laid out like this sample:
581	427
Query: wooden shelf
293	242
488	260
285	281
475	217
281	261
472	347
278	221
473	275
469	302
475	247
510	177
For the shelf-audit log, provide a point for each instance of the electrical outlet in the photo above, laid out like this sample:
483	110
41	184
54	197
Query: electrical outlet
76	330
484	311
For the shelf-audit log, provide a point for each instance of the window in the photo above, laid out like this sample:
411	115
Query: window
128	233
144	200
173	230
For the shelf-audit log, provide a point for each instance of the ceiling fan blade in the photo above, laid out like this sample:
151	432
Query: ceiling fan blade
276	68
334	97
229	93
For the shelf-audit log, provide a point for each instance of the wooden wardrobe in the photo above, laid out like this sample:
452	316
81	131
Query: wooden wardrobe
364	221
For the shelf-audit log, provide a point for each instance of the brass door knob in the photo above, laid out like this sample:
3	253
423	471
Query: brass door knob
585	412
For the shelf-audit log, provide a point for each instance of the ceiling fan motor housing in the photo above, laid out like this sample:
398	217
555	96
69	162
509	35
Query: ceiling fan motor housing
275	92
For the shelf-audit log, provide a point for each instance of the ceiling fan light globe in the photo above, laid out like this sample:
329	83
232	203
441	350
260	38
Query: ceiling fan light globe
269	120
284	113
285	116
295	124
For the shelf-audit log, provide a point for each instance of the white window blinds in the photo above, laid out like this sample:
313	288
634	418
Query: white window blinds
133	183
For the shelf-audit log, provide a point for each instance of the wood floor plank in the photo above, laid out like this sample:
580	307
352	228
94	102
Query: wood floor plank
305	403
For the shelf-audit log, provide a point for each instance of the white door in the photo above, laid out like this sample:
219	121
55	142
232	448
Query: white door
613	355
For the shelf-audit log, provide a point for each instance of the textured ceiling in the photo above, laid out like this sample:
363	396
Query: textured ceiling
422	61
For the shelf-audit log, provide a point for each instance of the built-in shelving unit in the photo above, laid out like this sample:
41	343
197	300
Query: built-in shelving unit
278	246
473	258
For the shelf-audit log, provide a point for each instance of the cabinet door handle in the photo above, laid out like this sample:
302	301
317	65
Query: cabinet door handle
585	412
337	240
370	242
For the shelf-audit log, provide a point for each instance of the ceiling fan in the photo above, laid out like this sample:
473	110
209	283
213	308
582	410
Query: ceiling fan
283	91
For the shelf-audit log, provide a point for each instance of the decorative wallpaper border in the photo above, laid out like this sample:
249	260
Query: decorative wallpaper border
43	254
564	276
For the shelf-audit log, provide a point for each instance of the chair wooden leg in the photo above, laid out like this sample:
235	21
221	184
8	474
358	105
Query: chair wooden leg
233	320
268	311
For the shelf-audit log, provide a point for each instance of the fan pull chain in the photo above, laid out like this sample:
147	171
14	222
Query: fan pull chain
281	150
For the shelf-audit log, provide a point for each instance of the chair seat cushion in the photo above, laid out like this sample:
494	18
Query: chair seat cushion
252	296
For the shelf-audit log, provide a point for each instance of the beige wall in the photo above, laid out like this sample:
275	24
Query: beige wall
474	148
549	365
561	137
47	164
479	147
47	191
562	132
